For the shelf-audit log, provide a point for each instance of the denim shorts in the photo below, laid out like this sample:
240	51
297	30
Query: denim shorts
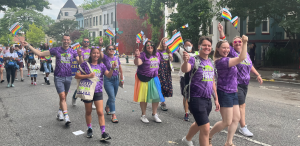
97	96
47	67
227	99
33	75
62	84
200	108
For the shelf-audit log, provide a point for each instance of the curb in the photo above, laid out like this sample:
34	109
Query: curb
278	80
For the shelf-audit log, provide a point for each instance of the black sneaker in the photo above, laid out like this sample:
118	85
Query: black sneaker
22	80
2	81
89	133
48	82
45	79
105	137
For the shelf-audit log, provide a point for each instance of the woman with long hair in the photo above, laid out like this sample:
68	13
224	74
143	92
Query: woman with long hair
11	59
164	72
99	70
147	87
227	89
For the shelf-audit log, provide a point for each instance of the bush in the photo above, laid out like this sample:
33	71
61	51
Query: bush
280	57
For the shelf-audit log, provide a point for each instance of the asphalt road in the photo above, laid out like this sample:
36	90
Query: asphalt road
28	117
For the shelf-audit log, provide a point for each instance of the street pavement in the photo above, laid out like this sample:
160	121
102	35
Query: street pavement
28	117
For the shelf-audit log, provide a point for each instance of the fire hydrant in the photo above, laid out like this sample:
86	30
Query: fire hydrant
127	59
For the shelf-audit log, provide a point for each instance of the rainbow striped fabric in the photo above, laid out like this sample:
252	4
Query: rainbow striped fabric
110	32
185	26
140	35
15	28
226	14
174	42
75	46
235	21
145	40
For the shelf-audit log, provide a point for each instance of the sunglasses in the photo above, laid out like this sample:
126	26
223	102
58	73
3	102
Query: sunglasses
237	42
111	49
149	45
86	41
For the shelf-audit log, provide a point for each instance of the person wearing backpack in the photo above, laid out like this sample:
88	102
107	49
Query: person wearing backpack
227	89
201	88
11	66
21	56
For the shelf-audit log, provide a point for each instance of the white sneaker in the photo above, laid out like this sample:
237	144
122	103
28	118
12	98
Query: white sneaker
144	119
189	143
93	106
60	116
44	73
74	101
156	119
16	79
67	119
245	131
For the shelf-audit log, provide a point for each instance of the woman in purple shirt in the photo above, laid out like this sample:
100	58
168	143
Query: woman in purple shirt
147	85
244	69
227	89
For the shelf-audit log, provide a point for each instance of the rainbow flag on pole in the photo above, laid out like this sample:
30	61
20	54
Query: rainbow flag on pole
185	26
226	14
75	46
140	35
15	28
235	21
174	42
110	32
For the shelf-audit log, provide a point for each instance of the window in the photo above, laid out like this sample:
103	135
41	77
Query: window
87	22
100	20
211	31
107	22
90	21
265	26
112	18
225	28
290	16
66	13
78	24
94	34
96	20
250	24
100	33
82	23
104	19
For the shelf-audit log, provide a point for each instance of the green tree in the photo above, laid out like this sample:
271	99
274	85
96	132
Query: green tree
4	39
38	5
105	41
196	14
88	4
35	35
83	34
57	30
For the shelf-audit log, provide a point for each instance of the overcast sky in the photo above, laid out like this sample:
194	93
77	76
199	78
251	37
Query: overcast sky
55	6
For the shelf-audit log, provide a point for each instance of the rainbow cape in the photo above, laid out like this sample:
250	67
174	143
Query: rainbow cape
110	32
15	28
185	26
75	46
140	35
174	42
226	14
235	21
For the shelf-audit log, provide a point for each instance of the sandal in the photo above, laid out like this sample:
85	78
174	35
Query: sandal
114	120
107	112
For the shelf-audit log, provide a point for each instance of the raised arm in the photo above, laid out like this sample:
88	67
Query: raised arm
137	60
243	55
36	51
186	66
220	28
109	73
79	57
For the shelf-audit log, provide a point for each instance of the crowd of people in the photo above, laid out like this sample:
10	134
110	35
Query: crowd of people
225	77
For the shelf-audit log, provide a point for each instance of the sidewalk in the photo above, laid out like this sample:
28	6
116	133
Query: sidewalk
266	74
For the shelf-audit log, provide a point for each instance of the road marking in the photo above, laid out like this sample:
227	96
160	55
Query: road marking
246	138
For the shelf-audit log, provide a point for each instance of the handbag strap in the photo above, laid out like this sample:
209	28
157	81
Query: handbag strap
91	70
81	69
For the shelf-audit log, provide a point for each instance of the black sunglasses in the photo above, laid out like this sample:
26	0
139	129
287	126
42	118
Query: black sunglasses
150	45
111	49
86	41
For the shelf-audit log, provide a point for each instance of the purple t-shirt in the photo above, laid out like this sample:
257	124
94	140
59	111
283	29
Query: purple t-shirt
99	71
85	54
202	81
244	68
63	61
150	66
164	56
108	61
227	76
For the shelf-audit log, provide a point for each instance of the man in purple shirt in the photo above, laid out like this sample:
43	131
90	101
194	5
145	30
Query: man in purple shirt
62	73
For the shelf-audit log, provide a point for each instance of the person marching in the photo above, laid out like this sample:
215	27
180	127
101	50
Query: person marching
21	55
202	87
147	86
30	55
111	85
164	71
244	69
99	69
1	64
62	73
10	66
47	62
227	88
33	71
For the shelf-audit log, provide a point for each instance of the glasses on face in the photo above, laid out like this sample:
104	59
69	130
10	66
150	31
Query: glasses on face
237	42
111	49
151	45
86	41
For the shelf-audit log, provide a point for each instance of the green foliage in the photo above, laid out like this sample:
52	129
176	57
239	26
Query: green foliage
35	35
38	5
84	34
105	41
57	30
280	57
88	4
4	39
54	44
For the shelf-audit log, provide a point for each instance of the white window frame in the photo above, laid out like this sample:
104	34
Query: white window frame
285	34
247	32
268	26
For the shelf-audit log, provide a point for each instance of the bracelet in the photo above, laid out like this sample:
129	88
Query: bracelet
223	38
122	80
258	75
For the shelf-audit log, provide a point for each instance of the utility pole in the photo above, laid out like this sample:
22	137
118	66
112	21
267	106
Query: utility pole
116	21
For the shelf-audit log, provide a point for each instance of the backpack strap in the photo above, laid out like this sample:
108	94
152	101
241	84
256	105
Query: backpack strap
216	75
194	70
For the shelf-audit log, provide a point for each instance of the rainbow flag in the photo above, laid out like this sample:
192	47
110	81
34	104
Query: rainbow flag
226	14
235	21
110	32
145	40
117	44
174	42
185	26
15	28
75	46
140	35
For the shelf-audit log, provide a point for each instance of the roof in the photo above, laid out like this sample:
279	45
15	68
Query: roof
70	4
58	17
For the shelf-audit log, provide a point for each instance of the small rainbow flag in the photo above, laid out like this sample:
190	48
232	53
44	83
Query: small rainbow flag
185	26
117	44
75	46
235	21
226	14
145	40
174	42
15	28
140	35
110	32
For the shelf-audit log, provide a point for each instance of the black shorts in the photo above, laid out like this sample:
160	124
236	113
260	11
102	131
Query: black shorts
97	96
242	93
30	60
227	99
182	85
200	108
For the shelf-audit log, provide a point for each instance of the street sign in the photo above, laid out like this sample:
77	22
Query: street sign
119	32
117	29
50	41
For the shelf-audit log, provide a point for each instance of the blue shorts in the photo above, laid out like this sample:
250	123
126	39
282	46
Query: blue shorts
33	75
227	99
200	108
47	67
62	84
